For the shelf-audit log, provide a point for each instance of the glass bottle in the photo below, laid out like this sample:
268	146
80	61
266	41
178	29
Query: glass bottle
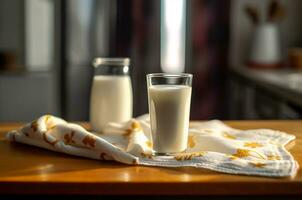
111	93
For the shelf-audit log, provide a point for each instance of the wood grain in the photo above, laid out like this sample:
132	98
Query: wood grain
30	170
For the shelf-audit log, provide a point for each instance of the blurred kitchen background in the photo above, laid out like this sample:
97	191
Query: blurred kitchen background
245	55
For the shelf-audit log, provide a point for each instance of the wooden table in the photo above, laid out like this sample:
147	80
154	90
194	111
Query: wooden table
30	170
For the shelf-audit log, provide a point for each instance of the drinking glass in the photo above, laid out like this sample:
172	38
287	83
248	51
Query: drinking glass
169	99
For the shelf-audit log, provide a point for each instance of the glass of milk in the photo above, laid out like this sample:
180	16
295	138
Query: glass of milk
111	92
169	98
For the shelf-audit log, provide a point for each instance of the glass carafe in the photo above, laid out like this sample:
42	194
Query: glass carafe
111	93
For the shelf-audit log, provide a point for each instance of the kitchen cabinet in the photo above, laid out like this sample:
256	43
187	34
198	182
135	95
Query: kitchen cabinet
264	94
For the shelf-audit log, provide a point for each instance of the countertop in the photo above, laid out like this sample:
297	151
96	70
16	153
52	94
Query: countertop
286	83
30	170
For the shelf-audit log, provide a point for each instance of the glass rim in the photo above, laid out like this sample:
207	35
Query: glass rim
117	61
169	75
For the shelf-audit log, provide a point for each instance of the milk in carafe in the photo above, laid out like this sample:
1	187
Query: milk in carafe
111	93
111	100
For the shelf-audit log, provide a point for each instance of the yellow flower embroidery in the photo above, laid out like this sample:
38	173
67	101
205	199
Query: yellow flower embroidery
49	124
188	156
128	132
191	141
233	157
149	144
258	165
34	125
146	155
253	144
47	117
104	156
68	138
241	153
135	126
52	127
273	157
46	139
89	140
229	136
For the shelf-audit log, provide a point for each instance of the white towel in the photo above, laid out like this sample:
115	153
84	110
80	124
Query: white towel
211	145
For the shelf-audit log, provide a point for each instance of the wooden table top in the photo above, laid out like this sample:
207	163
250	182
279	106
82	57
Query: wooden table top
31	170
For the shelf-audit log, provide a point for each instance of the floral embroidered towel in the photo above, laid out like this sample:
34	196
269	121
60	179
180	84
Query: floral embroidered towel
211	145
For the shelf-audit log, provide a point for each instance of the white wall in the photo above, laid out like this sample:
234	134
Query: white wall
242	28
24	97
39	34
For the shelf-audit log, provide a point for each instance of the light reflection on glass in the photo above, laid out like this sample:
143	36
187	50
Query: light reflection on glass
173	31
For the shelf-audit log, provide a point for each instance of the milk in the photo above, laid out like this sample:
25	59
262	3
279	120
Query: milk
111	100
169	107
